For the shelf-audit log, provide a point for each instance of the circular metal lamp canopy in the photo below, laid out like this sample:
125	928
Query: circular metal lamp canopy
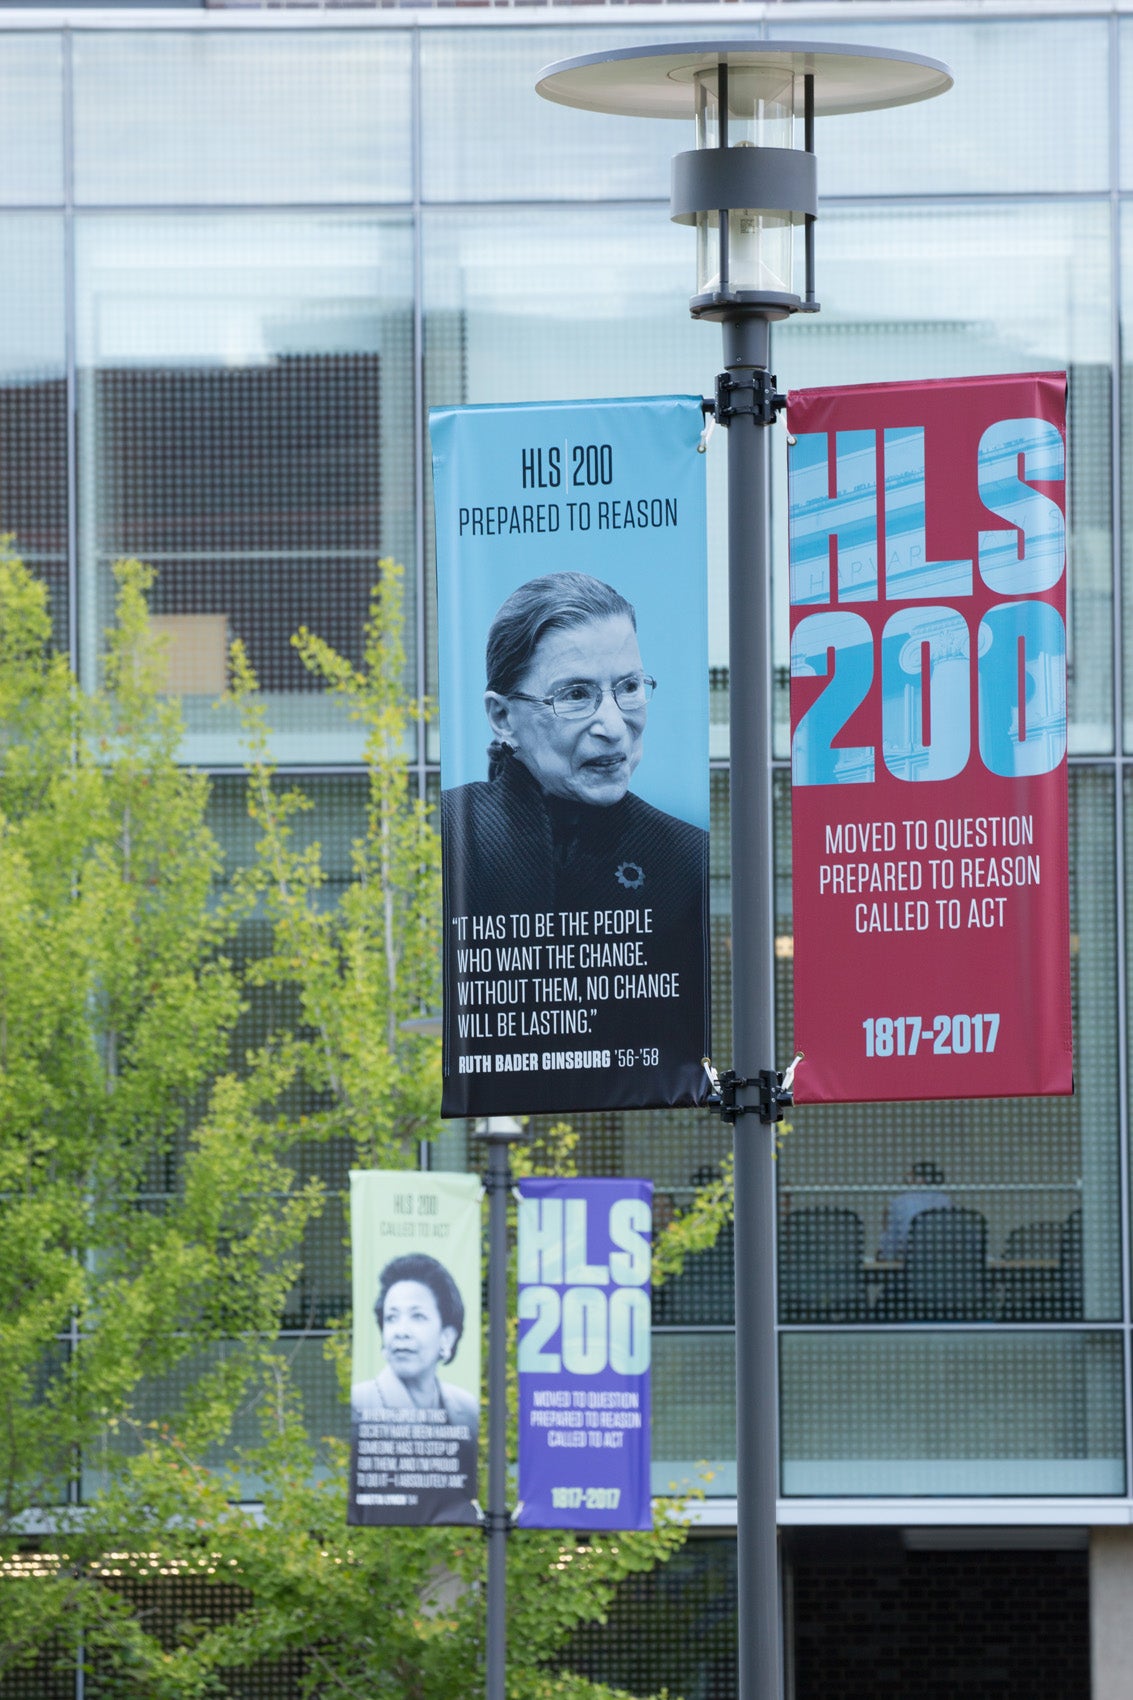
743	195
657	82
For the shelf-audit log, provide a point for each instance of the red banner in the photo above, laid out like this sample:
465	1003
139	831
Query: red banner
928	739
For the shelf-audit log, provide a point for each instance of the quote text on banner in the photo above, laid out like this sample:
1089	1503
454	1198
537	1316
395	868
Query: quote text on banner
928	739
415	1383
585	1250
572	623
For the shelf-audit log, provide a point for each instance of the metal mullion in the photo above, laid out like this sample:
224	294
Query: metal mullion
70	357
1120	914
420	424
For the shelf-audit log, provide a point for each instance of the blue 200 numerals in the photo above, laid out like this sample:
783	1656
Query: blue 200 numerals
926	652
926	733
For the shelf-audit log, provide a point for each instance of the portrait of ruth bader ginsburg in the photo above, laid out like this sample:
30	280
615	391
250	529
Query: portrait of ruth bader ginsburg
556	825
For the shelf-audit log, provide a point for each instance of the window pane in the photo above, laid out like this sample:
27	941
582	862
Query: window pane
671	1630
487	136
31	120
902	1414
33	400
1128	883
163	1398
1028	111
956	291
910	1414
1127	469
694	1413
261	115
1042	1173
1125	92
944	291
246	427
553	304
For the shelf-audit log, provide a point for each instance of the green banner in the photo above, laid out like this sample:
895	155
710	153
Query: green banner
415	1386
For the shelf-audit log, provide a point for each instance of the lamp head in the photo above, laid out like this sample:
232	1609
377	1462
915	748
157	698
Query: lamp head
748	185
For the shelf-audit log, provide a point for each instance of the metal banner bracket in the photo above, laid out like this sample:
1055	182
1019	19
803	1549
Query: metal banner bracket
757	395
775	1092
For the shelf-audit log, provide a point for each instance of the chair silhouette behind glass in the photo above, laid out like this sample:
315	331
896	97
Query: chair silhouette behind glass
820	1265
945	1276
705	1290
1070	1267
1031	1291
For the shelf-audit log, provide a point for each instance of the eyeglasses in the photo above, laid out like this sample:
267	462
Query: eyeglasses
580	699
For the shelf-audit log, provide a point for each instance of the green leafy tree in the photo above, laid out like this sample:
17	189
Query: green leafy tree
117	1006
367	965
409	1607
196	1276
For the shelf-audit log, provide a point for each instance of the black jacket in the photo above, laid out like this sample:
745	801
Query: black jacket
611	903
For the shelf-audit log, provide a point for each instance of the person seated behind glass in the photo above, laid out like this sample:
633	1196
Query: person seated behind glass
925	1183
420	1316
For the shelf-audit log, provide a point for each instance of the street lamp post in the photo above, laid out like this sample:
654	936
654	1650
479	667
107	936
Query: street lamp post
747	188
499	1133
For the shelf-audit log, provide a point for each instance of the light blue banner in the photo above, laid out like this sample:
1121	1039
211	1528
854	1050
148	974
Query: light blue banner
572	612
615	489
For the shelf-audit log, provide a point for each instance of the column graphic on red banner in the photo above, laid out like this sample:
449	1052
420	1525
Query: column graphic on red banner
928	739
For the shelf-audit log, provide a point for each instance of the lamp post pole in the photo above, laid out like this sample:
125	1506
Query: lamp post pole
497	1516
498	1132
744	187
746	356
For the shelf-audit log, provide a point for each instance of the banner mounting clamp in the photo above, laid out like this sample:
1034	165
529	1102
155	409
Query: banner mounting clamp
775	1091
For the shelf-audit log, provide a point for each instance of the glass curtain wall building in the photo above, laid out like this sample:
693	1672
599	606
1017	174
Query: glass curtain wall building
243	251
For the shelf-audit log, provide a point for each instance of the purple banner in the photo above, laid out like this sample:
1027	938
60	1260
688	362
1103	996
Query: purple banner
585	1253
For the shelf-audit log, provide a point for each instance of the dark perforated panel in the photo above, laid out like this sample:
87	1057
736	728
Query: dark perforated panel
254	491
873	1620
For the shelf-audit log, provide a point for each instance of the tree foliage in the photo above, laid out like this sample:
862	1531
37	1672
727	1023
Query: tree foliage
117	1007
367	964
152	1200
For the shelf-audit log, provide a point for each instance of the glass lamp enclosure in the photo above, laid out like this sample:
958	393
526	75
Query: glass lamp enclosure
746	107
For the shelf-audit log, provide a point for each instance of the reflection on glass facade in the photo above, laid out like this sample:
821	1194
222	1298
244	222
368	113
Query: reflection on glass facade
187	117
1034	1234
33	399
982	136
918	1415
238	265
245	412
31	120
